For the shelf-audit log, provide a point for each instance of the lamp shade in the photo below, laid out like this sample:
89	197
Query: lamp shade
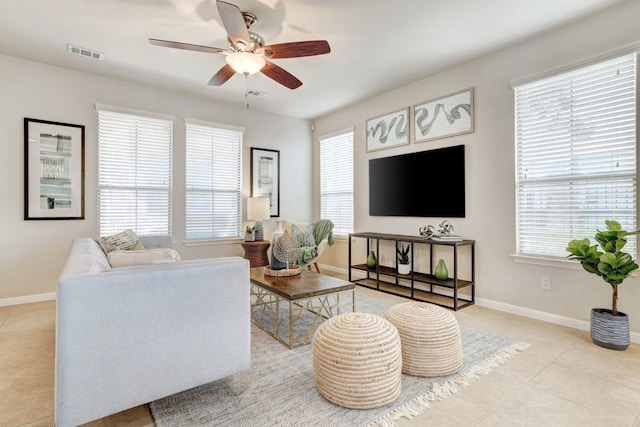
245	62
258	208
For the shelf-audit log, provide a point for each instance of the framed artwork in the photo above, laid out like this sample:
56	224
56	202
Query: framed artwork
390	130
447	116
265	176
53	170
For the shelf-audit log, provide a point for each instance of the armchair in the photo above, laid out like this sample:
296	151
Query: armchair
322	245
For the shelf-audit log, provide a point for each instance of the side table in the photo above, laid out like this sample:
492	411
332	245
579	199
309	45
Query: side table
256	252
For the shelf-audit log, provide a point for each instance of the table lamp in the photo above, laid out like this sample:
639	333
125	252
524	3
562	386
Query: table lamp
258	209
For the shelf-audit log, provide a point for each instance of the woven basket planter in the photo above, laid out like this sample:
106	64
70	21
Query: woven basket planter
357	361
610	331
430	336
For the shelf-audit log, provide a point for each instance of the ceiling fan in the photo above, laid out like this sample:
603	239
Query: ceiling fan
247	53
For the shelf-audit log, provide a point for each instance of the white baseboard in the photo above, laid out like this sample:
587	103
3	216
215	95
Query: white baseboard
28	299
514	309
582	325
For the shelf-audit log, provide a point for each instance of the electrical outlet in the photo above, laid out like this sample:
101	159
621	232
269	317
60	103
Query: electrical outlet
545	282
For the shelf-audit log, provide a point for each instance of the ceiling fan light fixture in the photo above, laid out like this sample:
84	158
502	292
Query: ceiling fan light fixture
245	62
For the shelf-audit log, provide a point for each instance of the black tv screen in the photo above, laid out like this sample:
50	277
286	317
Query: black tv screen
422	184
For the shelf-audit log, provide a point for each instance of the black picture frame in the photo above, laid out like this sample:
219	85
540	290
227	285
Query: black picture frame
265	176
53	170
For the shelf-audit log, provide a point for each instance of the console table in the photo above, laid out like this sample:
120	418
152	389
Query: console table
420	286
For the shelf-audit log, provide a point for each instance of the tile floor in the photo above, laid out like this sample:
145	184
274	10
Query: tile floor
561	380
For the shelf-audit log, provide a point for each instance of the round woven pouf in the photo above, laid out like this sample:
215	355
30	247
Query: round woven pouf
430	338
357	361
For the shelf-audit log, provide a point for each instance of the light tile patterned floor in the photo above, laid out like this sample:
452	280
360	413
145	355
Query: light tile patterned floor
562	380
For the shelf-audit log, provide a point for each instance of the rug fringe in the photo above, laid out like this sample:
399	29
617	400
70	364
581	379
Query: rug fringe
441	391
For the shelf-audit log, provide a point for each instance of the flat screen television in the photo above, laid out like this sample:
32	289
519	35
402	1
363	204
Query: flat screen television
422	184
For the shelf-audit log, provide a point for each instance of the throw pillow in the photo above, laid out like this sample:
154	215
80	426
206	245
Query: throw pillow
144	257
304	238
123	241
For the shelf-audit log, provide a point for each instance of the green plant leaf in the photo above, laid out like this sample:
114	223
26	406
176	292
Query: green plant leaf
613	225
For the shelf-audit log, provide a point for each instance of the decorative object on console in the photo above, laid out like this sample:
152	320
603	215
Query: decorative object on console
404	261
372	261
53	170
388	131
249	234
265	177
443	117
445	233
258	210
426	231
441	272
609	328
445	228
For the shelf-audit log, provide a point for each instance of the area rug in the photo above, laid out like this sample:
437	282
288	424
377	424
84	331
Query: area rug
278	389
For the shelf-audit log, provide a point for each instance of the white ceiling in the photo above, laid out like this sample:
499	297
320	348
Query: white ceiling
376	45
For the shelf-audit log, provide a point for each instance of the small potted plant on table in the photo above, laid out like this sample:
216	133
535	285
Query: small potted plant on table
404	260
249	234
609	328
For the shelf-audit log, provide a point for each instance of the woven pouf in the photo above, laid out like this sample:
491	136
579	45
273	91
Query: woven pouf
430	338
357	361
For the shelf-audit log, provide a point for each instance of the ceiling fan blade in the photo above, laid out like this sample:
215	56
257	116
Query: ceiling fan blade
297	49
281	75
222	76
233	22
186	46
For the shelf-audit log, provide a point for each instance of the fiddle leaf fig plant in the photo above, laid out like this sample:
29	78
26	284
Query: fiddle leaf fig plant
606	260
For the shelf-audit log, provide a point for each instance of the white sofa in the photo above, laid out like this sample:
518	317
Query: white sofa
128	336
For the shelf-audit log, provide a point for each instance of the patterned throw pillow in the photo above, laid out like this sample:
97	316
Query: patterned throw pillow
123	241
304	238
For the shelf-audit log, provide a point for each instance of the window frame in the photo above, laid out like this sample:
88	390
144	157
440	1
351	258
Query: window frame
139	116
574	70
338	229
196	241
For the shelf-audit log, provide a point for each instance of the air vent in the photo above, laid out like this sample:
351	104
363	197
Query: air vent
76	50
256	93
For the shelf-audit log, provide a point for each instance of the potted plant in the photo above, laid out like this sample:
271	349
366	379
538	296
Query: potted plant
609	328
403	258
249	234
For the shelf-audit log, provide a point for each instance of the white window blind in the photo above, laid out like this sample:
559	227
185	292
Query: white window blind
214	203
336	181
576	156
134	174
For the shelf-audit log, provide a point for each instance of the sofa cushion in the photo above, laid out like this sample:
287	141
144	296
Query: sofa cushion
143	257
123	241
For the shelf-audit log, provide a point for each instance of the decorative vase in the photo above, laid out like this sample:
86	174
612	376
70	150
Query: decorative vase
609	331
277	234
404	268
372	261
249	237
278	231
441	272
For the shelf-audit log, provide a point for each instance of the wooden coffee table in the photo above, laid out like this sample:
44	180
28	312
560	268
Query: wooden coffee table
301	303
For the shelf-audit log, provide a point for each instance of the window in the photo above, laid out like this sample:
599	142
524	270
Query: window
336	180
214	187
575	155
134	173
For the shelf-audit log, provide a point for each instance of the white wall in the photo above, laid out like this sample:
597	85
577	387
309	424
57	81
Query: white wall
490	218
32	253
